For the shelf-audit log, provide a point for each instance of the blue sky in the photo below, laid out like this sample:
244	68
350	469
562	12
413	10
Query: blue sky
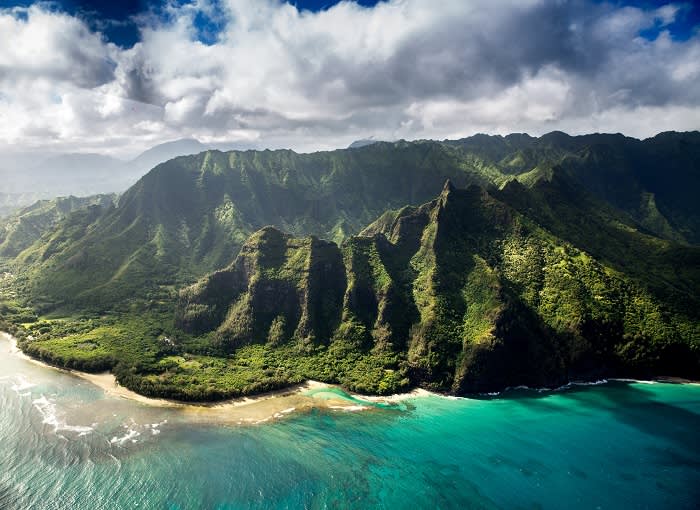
116	18
119	76
119	21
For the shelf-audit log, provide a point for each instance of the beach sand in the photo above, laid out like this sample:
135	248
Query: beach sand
246	410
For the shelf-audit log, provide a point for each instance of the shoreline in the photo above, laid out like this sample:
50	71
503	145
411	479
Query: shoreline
253	409
276	404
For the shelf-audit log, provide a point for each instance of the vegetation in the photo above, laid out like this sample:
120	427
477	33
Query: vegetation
191	215
25	227
542	260
463	294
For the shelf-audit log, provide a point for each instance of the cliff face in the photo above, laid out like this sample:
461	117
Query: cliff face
279	288
472	295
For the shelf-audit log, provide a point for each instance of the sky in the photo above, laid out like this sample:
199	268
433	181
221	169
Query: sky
117	77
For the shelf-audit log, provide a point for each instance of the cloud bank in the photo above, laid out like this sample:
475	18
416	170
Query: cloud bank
272	76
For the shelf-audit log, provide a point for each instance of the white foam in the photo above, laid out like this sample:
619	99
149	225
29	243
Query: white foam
349	409
589	383
155	427
639	381
49	414
130	435
118	462
547	390
21	384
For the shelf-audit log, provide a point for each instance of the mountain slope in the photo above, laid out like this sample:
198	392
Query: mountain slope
650	180
24	228
192	214
558	203
469	293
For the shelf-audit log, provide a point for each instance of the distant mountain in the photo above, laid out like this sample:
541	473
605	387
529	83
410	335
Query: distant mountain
78	174
160	153
362	143
13	202
85	174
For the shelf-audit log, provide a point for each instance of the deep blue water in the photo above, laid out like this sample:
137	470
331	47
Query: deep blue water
64	444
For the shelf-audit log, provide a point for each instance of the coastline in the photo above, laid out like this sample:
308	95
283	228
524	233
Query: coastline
277	404
251	410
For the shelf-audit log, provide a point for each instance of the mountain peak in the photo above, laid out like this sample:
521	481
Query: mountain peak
448	187
166	151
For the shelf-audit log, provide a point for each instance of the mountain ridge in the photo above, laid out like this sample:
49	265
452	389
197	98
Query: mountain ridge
446	265
503	321
207	205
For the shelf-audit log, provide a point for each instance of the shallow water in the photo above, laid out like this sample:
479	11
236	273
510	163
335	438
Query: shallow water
64	444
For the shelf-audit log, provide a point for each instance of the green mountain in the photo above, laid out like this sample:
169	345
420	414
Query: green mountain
471	295
652	180
25	227
545	259
191	214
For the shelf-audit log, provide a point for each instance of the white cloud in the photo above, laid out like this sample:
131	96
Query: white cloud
279	77
39	44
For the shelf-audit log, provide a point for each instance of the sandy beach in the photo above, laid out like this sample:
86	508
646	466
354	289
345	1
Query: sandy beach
251	410
396	398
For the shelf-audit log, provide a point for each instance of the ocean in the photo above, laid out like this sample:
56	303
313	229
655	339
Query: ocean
65	444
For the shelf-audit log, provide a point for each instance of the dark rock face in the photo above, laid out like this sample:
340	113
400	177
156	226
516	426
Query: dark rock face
278	288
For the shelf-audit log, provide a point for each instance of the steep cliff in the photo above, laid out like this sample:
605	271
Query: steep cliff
472	296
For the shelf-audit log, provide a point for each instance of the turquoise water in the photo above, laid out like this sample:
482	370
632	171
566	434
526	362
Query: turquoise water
64	444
